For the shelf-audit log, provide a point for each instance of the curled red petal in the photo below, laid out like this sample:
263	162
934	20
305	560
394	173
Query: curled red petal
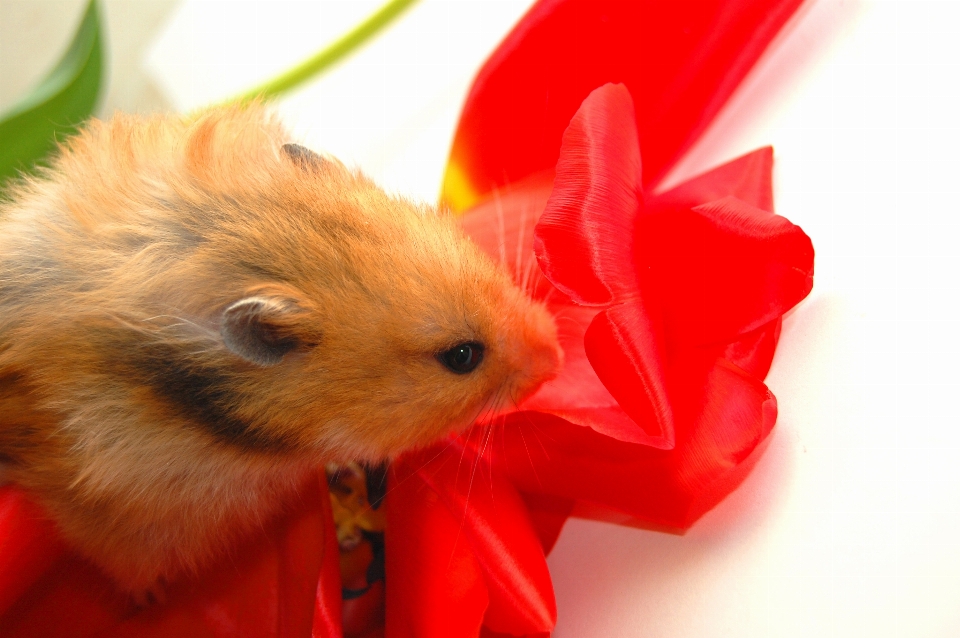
435	587
577	394
680	60
625	346
494	522
583	240
753	352
723	269
729	413
722	416
749	178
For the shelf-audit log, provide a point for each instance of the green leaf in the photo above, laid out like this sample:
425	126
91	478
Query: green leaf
53	110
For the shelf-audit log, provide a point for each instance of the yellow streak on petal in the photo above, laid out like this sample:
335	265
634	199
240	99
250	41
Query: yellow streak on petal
458	191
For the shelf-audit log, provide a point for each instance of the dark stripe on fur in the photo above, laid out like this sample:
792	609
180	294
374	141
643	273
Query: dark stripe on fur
200	394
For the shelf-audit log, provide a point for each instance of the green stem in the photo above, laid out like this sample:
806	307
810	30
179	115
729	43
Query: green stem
329	56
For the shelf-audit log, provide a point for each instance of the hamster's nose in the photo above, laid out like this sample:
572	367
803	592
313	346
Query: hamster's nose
541	357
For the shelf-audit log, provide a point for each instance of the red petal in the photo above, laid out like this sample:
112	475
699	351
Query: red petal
267	588
502	226
487	633
577	394
625	347
753	352
723	269
548	514
29	545
722	415
494	521
584	237
327	620
435	587
729	412
749	178
680	60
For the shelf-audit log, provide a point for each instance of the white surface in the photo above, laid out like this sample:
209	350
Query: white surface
849	526
391	109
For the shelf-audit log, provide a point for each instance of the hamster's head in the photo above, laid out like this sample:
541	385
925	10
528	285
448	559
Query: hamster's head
355	324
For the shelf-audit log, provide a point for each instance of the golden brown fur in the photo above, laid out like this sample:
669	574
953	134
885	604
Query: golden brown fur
129	414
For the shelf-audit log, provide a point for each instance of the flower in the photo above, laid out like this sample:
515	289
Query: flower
669	308
659	411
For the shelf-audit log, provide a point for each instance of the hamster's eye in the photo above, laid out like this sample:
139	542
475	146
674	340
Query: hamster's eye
463	357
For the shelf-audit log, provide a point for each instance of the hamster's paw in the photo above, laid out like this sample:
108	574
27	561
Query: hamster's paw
151	595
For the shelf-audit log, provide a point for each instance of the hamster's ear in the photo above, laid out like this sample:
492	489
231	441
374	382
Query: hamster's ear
260	329
302	156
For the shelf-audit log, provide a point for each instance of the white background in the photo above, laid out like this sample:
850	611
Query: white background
850	524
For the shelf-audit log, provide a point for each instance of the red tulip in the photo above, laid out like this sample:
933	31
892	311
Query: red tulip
669	308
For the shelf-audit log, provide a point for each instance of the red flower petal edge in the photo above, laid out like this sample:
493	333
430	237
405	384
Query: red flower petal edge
681	60
584	245
699	275
730	414
591	213
466	514
722	269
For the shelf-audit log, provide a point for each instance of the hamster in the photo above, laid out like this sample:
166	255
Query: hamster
196	315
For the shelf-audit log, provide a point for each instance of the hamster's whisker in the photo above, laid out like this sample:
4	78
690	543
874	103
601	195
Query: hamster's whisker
499	424
463	449
564	317
477	419
501	230
488	432
536	432
532	274
520	232
183	320
466	500
527	421
446	447
486	442
529	272
526	448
